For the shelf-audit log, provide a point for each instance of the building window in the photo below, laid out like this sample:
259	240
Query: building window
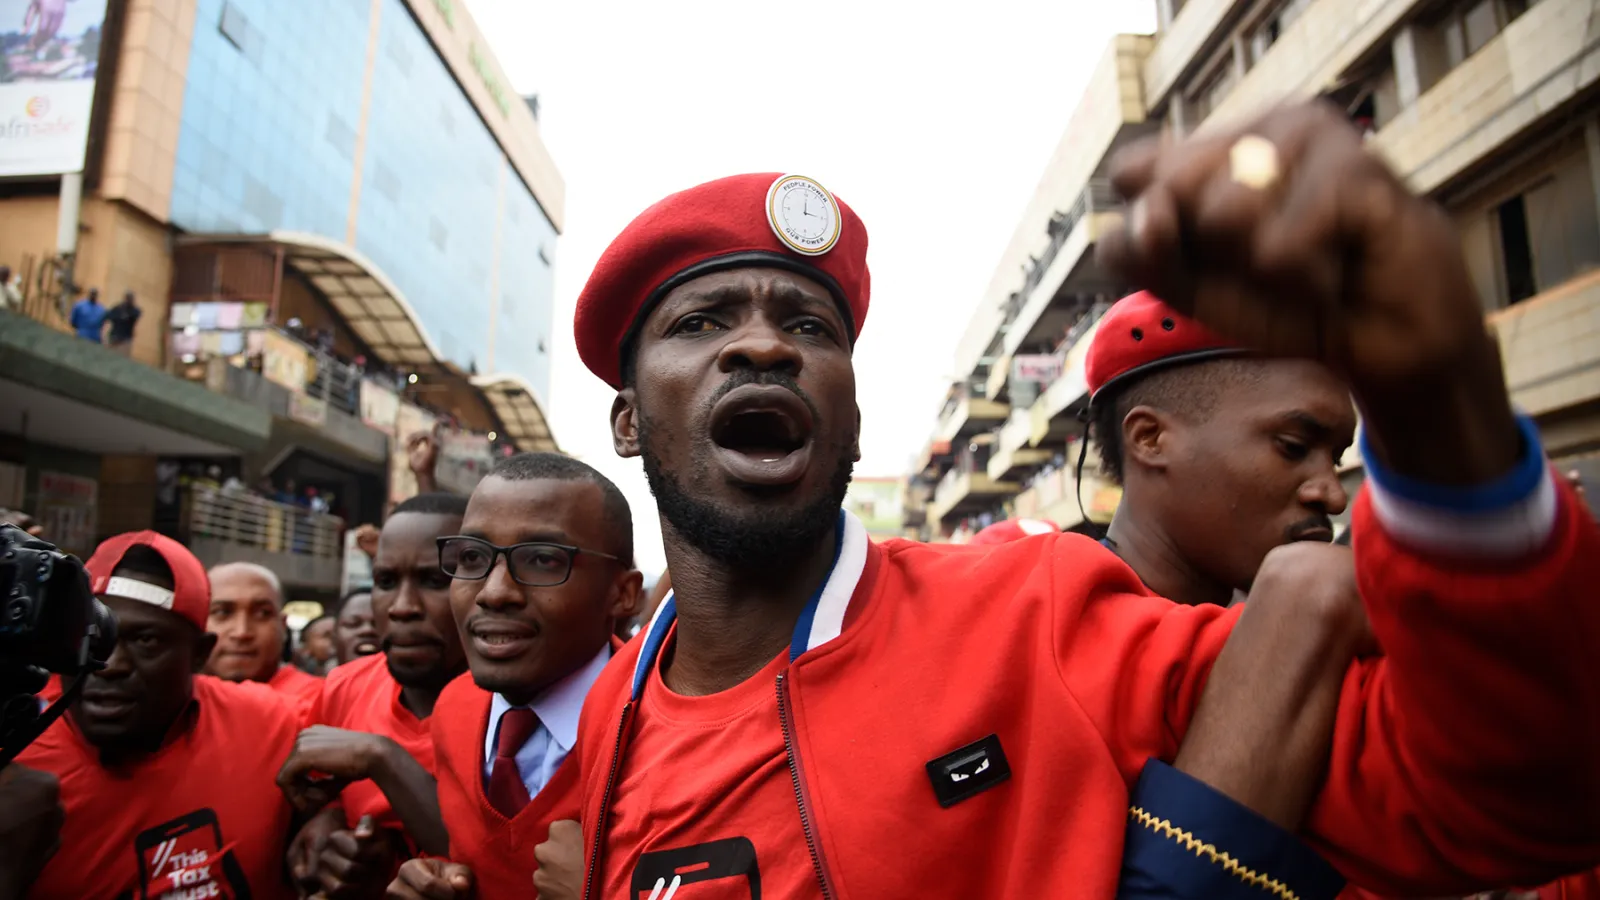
1516	249
234	26
1267	33
400	55
341	135
1471	25
1210	96
386	182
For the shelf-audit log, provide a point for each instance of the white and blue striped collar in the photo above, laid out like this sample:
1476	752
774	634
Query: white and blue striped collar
820	622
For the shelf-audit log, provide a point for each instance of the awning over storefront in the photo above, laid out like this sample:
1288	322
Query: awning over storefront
377	312
517	407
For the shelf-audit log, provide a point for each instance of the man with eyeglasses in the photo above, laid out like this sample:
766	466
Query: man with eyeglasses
542	569
367	764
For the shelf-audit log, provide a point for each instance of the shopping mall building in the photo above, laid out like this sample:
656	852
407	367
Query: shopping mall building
1489	107
339	222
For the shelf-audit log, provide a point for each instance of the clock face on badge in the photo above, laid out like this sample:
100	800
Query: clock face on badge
803	214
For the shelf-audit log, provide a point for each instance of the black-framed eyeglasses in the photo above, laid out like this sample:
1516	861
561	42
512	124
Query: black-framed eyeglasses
534	564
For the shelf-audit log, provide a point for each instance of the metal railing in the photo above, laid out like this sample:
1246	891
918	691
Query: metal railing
39	281
1097	195
246	520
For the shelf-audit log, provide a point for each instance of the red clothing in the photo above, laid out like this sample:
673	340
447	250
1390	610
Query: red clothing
1462	757
499	851
361	695
1583	886
663	818
201	815
301	689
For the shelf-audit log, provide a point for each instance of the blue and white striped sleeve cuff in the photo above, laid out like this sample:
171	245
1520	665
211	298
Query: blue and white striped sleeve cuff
1508	518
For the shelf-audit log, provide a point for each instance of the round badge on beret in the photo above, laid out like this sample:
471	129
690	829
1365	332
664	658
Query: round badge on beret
803	215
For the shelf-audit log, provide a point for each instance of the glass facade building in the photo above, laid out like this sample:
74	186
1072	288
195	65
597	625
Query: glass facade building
272	138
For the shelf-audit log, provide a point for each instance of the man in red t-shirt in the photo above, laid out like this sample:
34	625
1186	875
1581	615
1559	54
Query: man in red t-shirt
543	570
246	615
166	775
372	718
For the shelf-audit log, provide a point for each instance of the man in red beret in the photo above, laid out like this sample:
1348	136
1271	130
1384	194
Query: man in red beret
926	721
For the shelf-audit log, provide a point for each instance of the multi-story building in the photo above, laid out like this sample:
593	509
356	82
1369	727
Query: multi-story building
1489	107
339	223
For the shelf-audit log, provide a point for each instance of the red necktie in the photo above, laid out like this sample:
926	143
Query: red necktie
507	793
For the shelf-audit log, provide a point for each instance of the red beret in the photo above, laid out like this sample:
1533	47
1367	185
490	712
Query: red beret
1013	530
744	221
1140	334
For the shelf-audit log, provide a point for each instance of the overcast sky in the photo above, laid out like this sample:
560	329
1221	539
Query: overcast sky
934	127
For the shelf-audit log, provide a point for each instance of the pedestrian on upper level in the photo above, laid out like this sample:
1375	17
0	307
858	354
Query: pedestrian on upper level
89	317
122	318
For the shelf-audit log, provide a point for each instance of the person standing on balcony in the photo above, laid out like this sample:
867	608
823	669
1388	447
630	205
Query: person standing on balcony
122	318
89	317
246	615
10	293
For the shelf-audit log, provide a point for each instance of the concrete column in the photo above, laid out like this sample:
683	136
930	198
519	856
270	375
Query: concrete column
1163	14
1407	71
1178	115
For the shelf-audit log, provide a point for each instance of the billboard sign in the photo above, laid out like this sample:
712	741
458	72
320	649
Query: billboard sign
49	57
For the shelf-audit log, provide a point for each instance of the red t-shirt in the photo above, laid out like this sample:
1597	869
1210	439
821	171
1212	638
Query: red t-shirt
685	749
301	689
361	695
201	817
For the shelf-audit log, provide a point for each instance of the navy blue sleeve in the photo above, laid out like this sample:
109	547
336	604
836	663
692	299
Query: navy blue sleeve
1187	841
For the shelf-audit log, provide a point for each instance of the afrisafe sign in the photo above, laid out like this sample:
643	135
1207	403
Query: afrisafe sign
49	56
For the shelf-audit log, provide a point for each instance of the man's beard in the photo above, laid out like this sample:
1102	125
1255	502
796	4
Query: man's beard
760	540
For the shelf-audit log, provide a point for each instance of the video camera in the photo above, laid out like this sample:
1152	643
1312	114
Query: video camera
50	622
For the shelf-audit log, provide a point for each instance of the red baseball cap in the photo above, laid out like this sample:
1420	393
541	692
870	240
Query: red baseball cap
743	221
190	596
1140	334
1013	530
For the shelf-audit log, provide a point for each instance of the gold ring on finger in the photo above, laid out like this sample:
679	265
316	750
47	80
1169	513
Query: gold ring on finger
1253	162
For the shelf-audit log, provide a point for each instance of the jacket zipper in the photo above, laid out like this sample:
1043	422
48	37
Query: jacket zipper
605	802
799	790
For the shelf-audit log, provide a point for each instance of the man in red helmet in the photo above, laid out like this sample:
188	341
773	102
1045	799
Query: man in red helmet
166	775
1224	455
805	688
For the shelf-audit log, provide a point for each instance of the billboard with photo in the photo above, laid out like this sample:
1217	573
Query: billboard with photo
49	57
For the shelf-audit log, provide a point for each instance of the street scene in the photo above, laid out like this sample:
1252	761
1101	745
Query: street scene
494	449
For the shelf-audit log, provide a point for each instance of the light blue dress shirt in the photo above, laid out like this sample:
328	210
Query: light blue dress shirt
557	709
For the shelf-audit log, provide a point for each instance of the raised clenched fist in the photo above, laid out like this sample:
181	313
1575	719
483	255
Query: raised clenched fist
1288	236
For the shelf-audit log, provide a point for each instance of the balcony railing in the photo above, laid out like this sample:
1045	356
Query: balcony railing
246	520
304	548
1097	196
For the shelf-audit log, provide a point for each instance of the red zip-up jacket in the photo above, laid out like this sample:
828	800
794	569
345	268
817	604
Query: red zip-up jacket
1469	755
